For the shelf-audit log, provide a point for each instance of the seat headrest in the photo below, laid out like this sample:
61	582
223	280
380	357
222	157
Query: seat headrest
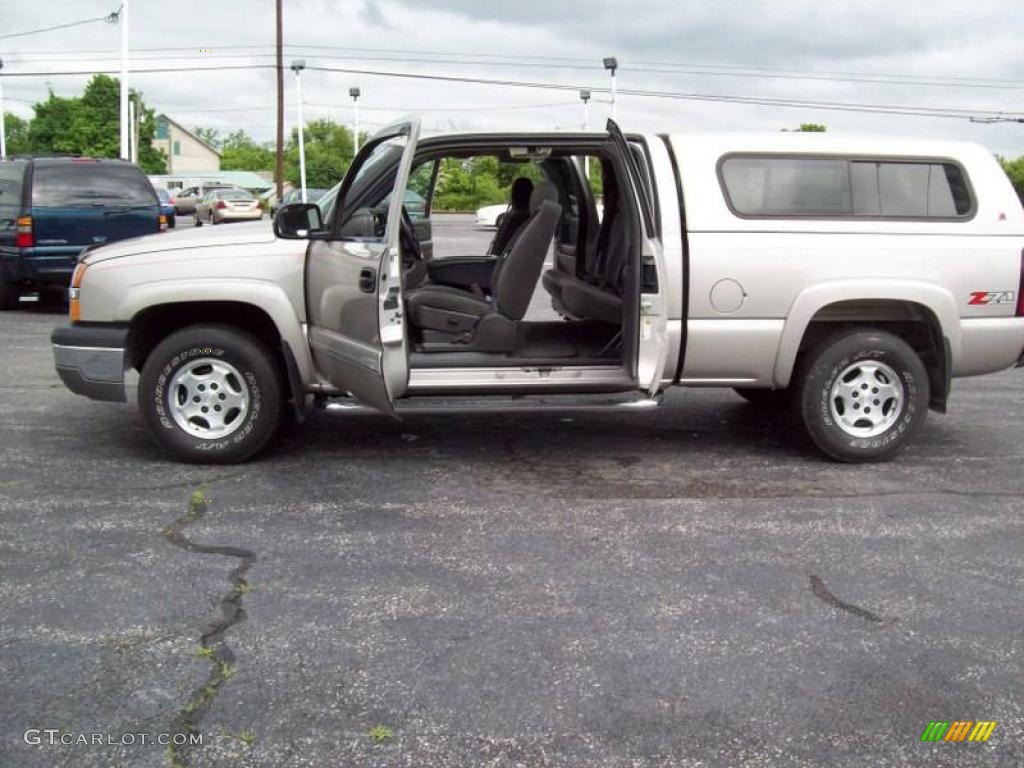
543	191
519	197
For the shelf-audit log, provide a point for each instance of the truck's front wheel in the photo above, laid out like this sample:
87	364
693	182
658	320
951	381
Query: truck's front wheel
862	395
210	394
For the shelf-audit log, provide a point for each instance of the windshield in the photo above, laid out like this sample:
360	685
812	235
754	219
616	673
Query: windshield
163	194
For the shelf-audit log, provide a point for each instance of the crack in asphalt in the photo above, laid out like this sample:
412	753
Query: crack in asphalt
821	592
212	640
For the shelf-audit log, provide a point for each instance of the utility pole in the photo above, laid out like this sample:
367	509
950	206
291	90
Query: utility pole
123	18
297	67
279	159
133	127
354	93
3	127
585	98
611	64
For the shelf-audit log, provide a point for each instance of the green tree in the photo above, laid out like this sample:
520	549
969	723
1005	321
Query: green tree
1015	170
89	125
210	135
16	130
240	153
329	152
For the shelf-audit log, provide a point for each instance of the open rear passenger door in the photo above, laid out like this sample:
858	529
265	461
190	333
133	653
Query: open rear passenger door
354	281
644	323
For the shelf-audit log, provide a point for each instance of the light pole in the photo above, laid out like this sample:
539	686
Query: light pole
123	18
611	64
297	66
585	98
3	126
354	93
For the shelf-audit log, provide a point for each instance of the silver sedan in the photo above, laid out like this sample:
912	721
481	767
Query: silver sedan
220	205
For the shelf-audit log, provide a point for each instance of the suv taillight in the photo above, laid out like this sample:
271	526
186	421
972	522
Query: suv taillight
221	205
23	235
1020	288
163	223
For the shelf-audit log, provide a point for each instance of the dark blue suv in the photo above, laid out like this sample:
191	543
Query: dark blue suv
53	207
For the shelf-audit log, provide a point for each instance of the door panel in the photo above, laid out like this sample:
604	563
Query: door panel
354	286
645	324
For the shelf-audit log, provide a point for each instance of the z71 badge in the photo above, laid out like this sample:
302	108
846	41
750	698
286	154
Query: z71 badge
991	297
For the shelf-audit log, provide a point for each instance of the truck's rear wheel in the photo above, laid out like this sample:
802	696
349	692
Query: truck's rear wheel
210	394
862	395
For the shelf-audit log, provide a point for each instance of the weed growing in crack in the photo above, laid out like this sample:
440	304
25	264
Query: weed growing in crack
380	733
246	737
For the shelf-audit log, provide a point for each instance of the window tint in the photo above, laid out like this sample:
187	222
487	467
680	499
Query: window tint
11	175
81	184
786	186
782	186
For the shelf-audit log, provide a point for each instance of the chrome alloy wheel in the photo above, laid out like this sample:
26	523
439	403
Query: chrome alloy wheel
208	398
866	398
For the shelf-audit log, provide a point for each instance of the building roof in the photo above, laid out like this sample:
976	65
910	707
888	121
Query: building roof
182	128
243	179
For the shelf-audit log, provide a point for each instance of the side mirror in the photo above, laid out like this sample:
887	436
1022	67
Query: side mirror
299	221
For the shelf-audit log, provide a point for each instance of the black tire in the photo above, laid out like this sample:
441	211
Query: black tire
842	354
9	295
499	221
260	378
196	221
768	399
171	223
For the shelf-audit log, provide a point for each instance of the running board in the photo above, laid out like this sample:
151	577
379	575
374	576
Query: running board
502	403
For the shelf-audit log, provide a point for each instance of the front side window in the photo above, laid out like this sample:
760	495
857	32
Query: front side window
845	187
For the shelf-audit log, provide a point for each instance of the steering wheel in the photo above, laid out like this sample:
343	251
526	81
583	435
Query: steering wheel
413	265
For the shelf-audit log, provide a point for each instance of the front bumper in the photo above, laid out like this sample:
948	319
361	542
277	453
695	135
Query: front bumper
90	360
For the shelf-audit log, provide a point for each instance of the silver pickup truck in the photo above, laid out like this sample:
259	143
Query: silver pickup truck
849	279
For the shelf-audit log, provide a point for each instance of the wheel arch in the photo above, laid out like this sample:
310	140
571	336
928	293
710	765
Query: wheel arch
260	309
922	314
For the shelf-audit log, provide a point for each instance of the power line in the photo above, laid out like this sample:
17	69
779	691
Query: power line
651	67
891	109
110	18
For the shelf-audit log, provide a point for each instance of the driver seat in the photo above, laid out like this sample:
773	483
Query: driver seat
448	316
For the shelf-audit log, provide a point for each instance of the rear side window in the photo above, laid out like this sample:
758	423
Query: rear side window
72	185
845	187
11	179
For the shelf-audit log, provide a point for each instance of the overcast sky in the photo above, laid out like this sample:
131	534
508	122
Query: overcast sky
970	54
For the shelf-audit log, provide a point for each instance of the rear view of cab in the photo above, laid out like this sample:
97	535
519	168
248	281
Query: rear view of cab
51	208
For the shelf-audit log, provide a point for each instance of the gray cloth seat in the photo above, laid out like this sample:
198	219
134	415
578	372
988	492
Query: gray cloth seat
447	315
599	297
597	293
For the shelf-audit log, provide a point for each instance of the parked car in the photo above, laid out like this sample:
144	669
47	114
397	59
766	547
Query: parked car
53	207
166	206
848	279
491	215
413	202
221	205
185	201
295	196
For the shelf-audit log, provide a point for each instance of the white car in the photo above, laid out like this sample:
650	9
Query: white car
490	215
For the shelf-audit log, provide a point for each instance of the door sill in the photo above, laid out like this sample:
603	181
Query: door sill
632	401
525	379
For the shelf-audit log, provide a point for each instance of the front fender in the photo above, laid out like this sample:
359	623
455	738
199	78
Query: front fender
809	302
258	293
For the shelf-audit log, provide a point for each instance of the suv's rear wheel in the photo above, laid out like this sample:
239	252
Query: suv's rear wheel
862	394
210	393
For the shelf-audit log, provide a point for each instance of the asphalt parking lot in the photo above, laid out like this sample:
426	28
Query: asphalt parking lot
692	586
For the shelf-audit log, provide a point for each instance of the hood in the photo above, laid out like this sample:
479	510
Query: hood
250	233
